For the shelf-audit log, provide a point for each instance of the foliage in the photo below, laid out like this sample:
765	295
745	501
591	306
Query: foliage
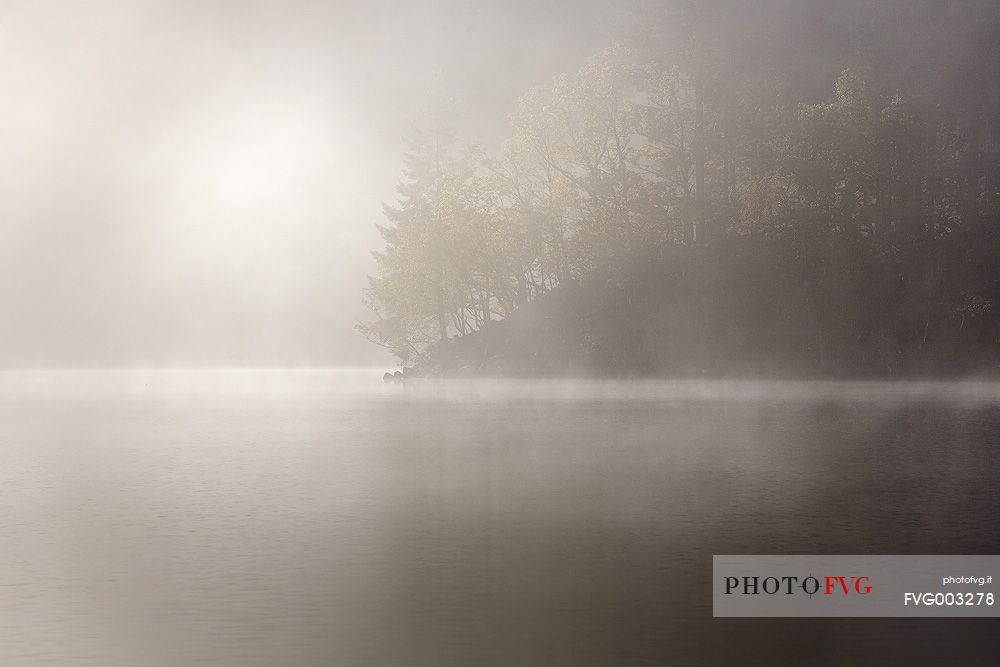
678	148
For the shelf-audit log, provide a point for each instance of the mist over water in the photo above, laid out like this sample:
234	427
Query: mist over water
215	214
321	517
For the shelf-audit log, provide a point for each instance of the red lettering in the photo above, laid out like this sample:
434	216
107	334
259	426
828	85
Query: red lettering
831	585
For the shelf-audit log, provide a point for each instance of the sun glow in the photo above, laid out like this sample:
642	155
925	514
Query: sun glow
265	158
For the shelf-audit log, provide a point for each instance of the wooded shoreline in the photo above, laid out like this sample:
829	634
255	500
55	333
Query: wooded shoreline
713	202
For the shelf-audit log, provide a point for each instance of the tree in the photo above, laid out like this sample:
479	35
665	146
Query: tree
415	288
576	153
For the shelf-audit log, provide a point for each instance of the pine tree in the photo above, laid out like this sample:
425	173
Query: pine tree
415	288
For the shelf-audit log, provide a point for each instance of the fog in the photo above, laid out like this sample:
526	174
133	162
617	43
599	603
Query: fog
316	517
662	279
198	183
359	384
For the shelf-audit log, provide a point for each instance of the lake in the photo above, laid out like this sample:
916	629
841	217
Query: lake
307	518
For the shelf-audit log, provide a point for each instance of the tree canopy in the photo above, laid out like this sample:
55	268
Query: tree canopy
696	138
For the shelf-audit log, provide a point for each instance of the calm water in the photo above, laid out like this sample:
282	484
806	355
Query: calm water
319	518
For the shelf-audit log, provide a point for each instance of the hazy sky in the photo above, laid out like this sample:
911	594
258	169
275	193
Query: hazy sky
197	183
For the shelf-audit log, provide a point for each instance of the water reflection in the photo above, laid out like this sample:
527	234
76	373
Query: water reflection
316	518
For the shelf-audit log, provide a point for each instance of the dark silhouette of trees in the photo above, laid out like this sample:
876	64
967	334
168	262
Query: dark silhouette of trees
857	180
